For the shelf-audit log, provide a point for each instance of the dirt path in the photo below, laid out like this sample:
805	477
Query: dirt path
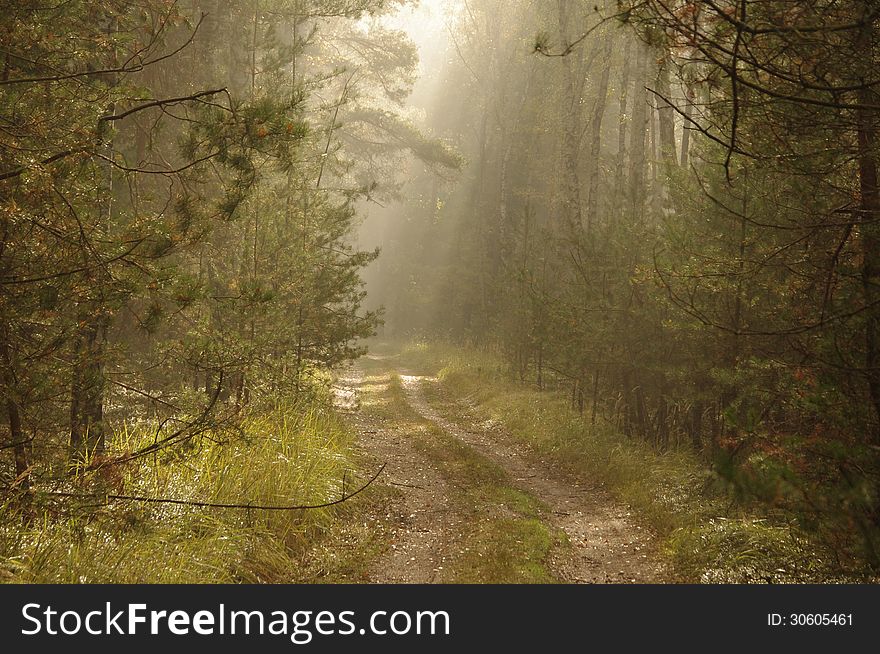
420	516
606	545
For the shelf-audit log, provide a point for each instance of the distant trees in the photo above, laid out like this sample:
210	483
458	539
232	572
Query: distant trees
690	193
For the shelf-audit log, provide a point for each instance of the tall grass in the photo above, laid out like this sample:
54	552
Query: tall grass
287	457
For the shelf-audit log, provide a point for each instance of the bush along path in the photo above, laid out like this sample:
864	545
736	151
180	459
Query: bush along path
470	505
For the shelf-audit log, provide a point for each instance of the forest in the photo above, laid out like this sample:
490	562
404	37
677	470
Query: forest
439	291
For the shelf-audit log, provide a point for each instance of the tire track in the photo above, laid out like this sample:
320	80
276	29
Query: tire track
607	545
418	521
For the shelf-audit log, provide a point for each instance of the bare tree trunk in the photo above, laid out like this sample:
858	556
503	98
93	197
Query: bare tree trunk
508	151
686	129
595	129
666	116
87	390
866	126
655	198
637	160
620	181
696	426
870	215
595	405
571	120
13	413
541	366
663	423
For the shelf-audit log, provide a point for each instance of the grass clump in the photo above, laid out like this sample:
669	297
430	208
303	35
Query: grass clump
288	456
505	550
507	539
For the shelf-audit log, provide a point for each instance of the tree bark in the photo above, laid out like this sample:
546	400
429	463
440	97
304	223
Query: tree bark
870	214
637	159
571	119
87	390
666	116
686	129
13	413
620	186
595	129
696	426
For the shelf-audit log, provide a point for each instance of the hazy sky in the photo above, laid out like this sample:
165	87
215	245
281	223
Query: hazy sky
425	23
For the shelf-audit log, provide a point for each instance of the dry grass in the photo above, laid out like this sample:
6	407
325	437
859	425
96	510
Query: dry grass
287	457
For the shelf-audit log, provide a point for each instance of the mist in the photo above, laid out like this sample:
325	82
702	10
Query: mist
467	291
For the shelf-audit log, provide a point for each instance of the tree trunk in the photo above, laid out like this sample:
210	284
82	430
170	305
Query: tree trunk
637	158
571	119
595	406
13	413
696	426
87	390
541	366
620	177
666	116
596	135
663	424
686	129
870	215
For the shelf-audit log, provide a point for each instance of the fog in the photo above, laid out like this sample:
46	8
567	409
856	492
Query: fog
427	25
641	237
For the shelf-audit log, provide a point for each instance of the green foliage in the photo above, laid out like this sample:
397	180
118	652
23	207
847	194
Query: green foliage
178	203
688	254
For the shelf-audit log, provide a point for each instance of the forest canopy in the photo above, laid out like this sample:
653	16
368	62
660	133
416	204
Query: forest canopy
179	191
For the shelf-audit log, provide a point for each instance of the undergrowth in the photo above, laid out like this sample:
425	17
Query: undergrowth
287	456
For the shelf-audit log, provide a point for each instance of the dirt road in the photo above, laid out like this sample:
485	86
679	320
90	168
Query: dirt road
426	518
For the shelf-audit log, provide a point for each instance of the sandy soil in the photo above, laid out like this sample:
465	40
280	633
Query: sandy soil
421	516
607	545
